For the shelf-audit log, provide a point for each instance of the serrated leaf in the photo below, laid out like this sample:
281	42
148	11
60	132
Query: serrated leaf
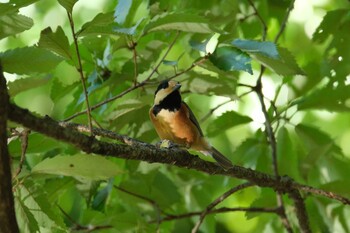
29	60
79	165
227	120
101	24
55	41
122	11
68	4
24	84
229	58
265	48
328	98
180	22
11	24
285	65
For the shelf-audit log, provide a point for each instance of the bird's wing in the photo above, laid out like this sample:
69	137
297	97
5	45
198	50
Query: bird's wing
193	118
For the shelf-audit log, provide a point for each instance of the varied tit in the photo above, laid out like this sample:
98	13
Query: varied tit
174	121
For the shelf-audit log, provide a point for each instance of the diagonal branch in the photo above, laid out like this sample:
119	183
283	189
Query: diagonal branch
150	153
218	201
80	68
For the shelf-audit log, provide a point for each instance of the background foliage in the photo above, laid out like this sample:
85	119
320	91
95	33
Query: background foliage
215	49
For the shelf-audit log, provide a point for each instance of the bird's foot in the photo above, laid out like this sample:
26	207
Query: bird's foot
165	143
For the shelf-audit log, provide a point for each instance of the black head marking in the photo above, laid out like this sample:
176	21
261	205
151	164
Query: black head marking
163	85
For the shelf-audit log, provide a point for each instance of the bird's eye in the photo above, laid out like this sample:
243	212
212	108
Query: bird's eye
163	85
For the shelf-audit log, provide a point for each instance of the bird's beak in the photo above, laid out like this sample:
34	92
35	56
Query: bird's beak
176	87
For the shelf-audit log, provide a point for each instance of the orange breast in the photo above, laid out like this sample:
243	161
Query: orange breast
176	127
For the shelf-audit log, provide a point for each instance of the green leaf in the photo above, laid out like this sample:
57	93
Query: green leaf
128	31
11	24
122	11
316	139
286	155
25	218
338	186
101	24
25	84
285	65
327	98
55	41
68	4
28	60
329	24
265	48
80	165
180	22
13	6
225	121
228	59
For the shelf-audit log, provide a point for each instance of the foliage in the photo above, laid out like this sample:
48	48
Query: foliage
215	49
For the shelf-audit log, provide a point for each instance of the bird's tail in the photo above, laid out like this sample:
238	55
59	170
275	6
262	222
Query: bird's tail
221	159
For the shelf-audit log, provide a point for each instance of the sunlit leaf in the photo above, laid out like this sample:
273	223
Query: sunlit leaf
24	84
122	10
229	58
78	165
284	65
25	219
180	22
338	186
225	121
55	41
12	24
265	48
101	24
29	60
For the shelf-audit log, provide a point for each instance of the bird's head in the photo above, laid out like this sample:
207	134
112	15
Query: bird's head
164	89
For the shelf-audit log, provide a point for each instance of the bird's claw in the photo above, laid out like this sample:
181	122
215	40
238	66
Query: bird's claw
167	144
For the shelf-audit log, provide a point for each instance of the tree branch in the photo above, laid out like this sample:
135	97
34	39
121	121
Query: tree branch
152	154
80	68
300	210
8	221
218	211
218	201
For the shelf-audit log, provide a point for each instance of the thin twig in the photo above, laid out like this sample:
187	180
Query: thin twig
284	22
211	111
80	69
219	211
320	192
79	227
24	145
152	202
134	52
218	201
262	21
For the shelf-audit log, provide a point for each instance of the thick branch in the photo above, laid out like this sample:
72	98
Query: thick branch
150	153
300	210
8	222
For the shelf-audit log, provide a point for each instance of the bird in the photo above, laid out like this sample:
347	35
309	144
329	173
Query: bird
174	121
